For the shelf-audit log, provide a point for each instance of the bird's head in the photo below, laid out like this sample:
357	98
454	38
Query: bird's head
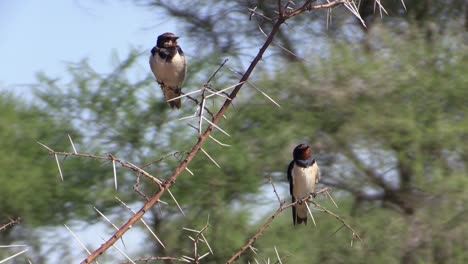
167	40
302	152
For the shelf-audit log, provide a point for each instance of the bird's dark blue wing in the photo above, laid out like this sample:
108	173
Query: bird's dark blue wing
291	187
290	179
154	50
180	50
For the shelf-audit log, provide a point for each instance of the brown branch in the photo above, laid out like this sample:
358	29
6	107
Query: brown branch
11	223
146	260
113	159
355	234
278	211
274	190
309	7
262	229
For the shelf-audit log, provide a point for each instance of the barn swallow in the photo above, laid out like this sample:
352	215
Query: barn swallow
169	66
303	175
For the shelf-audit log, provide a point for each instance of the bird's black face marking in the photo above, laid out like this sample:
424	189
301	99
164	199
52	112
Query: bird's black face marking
302	152
167	40
166	46
302	156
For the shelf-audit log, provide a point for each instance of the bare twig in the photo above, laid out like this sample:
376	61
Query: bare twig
274	190
280	209
355	234
174	154
11	223
147	260
199	237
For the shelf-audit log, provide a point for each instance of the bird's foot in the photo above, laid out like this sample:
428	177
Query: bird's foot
314	194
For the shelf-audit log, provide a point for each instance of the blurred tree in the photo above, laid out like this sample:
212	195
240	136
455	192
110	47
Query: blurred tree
386	127
225	27
389	130
30	186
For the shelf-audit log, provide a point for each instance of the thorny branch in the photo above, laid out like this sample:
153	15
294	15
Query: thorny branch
284	13
199	237
11	223
4	227
151	259
283	206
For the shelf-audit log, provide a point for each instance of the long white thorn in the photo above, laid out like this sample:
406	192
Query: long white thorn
121	252
173	198
310	212
73	145
264	94
10	246
219	142
105	217
184	95
207	244
58	166
331	198
13	256
77	239
223	90
115	174
187	117
189	171
220	129
208	155
278	256
204	255
142	221
45	146
200	122
403	3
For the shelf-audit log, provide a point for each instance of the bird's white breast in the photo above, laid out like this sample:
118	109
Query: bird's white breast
171	73
304	180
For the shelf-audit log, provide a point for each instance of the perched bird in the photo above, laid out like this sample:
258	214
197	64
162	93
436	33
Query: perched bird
169	66
303	175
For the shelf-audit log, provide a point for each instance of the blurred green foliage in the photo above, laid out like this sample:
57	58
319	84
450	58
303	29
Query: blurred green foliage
386	120
30	186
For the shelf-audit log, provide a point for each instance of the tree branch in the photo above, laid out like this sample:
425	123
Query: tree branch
278	211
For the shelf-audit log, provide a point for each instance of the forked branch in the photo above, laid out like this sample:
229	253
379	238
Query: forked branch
283	206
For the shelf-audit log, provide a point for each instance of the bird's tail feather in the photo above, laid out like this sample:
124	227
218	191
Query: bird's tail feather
301	220
172	92
175	104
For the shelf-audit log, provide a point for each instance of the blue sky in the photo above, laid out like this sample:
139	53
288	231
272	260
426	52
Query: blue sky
43	35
